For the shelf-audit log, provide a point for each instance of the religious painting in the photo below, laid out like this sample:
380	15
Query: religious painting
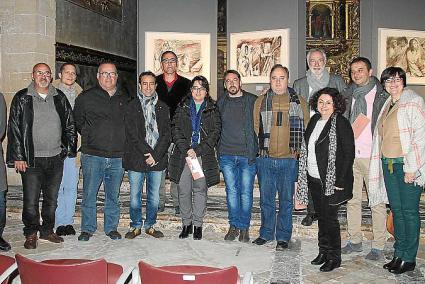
192	50
405	49
108	8
253	54
321	21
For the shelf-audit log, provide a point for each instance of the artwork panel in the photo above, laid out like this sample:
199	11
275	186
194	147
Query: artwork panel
108	8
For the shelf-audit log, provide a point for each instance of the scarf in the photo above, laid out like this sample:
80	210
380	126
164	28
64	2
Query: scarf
359	94
195	117
316	83
296	122
151	126
302	191
70	93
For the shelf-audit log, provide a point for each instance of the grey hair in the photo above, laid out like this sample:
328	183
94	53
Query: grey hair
314	50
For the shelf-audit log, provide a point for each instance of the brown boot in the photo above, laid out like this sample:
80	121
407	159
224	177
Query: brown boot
52	237
31	241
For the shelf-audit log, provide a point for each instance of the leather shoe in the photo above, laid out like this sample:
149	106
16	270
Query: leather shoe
69	230
4	246
52	237
197	233
281	245
84	236
320	259
259	241
186	231
114	235
244	236
61	231
403	267
309	219
393	263
31	241
330	265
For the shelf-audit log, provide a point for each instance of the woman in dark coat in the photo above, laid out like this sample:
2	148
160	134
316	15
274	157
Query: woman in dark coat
195	132
326	169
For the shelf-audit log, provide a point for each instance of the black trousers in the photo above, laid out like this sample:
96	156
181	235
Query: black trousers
329	232
2	211
45	177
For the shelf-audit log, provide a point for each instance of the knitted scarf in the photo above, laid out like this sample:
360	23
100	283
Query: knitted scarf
151	126
195	117
316	83
296	122
302	192
359	94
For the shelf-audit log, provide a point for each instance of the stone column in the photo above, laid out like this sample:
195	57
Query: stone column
27	37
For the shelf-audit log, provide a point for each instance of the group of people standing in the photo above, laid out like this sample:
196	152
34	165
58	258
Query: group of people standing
327	138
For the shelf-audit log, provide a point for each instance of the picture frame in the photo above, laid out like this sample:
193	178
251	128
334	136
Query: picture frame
253	54
111	8
405	49
192	50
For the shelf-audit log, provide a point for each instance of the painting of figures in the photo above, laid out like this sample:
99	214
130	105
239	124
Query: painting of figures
108	8
405	49
253	54
192	50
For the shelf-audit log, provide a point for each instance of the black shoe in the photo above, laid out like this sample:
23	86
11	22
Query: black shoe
186	231
4	246
244	236
281	245
231	234
393	263
320	259
403	267
197	233
330	265
114	235
61	231
309	219
69	229
259	241
84	236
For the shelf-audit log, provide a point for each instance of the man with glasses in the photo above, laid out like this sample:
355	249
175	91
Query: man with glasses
41	133
171	89
99	116
67	195
365	97
317	78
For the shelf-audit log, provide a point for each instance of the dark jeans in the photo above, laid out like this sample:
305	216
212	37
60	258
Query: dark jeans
45	176
2	211
329	232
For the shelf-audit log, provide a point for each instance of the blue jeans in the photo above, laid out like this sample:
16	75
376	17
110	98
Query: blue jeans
153	182
239	179
276	175
67	195
95	170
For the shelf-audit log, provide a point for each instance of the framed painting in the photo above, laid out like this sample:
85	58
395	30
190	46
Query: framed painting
192	49
253	54
405	49
108	8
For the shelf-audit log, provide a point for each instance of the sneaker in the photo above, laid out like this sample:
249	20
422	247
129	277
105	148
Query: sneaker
114	235
52	237
374	254
132	233
31	241
244	236
231	234
61	231
154	233
350	247
84	236
69	230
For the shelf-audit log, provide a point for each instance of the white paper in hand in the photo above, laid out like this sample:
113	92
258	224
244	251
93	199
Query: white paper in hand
195	168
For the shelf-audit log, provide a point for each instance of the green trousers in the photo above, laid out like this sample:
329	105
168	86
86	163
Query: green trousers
404	202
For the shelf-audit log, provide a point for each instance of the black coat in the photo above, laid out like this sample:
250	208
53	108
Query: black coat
100	120
20	145
344	156
175	95
182	137
136	146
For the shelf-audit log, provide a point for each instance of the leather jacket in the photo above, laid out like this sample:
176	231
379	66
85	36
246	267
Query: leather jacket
20	145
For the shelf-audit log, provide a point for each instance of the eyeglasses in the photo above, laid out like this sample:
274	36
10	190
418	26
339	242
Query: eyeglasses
393	80
41	73
108	74
328	103
198	89
169	60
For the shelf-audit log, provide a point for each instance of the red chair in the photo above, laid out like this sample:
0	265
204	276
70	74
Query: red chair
186	274
69	271
7	267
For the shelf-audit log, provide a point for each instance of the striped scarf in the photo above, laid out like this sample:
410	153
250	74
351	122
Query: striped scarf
151	126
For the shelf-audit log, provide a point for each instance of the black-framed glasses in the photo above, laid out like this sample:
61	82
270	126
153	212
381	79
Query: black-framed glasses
198	89
393	80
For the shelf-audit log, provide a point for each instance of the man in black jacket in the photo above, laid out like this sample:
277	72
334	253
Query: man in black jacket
41	133
99	116
171	89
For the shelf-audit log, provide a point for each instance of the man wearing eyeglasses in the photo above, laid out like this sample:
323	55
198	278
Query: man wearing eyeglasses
365	97
99	116
317	77
41	133
171	89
